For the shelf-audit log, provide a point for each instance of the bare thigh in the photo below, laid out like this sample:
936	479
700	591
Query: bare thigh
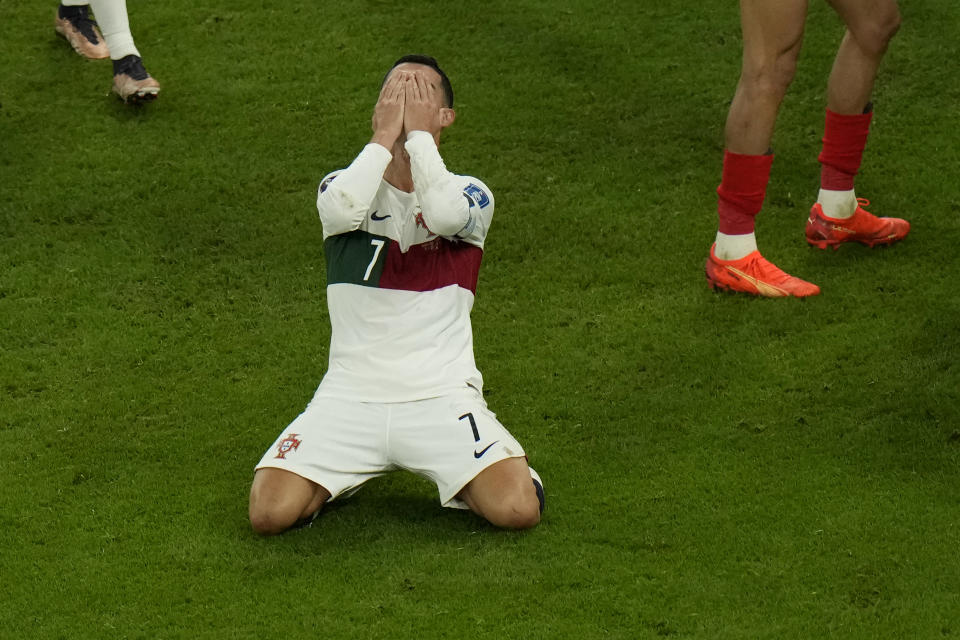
771	27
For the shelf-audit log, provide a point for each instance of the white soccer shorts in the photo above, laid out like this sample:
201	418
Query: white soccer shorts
340	444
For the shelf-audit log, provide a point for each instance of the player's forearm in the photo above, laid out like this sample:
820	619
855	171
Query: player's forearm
446	211
345	201
385	138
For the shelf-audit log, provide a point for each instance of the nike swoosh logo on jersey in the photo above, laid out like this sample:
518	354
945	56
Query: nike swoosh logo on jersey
376	218
479	454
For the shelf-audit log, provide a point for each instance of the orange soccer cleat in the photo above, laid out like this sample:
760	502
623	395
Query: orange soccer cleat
863	227
755	275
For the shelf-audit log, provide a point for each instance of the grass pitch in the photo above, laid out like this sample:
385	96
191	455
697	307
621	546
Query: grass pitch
715	466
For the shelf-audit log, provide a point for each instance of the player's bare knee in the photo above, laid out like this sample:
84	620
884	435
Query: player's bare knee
270	517
269	522
517	513
769	78
528	518
525	518
874	37
889	27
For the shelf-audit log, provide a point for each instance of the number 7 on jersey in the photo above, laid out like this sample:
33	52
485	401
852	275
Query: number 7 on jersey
376	254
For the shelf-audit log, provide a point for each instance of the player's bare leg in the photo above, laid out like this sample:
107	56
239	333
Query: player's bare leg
838	215
772	35
280	499
871	24
504	494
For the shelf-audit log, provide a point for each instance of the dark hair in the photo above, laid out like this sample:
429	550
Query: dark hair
428	62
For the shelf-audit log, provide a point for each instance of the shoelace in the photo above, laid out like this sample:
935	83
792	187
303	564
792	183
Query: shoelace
773	274
133	67
83	23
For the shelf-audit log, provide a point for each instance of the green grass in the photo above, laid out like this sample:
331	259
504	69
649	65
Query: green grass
716	467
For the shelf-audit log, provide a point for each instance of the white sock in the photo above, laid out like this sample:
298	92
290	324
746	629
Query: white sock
838	204
734	247
74	3
111	15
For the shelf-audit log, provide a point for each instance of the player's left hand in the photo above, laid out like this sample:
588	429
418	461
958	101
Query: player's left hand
421	105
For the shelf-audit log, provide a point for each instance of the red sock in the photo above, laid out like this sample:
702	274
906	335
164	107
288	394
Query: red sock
741	191
844	138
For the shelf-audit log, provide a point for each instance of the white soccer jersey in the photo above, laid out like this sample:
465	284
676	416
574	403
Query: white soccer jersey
401	276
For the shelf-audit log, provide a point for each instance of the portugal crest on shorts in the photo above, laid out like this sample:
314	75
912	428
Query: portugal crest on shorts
288	444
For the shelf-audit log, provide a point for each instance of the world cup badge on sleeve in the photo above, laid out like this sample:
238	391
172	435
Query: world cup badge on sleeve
288	444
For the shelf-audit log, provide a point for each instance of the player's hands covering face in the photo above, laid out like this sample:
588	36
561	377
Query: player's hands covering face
422	104
389	111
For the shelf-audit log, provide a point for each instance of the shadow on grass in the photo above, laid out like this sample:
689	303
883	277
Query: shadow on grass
388	513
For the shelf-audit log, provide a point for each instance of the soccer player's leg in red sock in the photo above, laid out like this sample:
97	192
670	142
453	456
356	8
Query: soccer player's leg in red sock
838	215
772	34
740	198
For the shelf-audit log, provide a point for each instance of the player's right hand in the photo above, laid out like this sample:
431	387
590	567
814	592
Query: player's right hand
388	112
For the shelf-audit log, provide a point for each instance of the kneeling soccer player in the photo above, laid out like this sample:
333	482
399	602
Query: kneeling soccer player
403	239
